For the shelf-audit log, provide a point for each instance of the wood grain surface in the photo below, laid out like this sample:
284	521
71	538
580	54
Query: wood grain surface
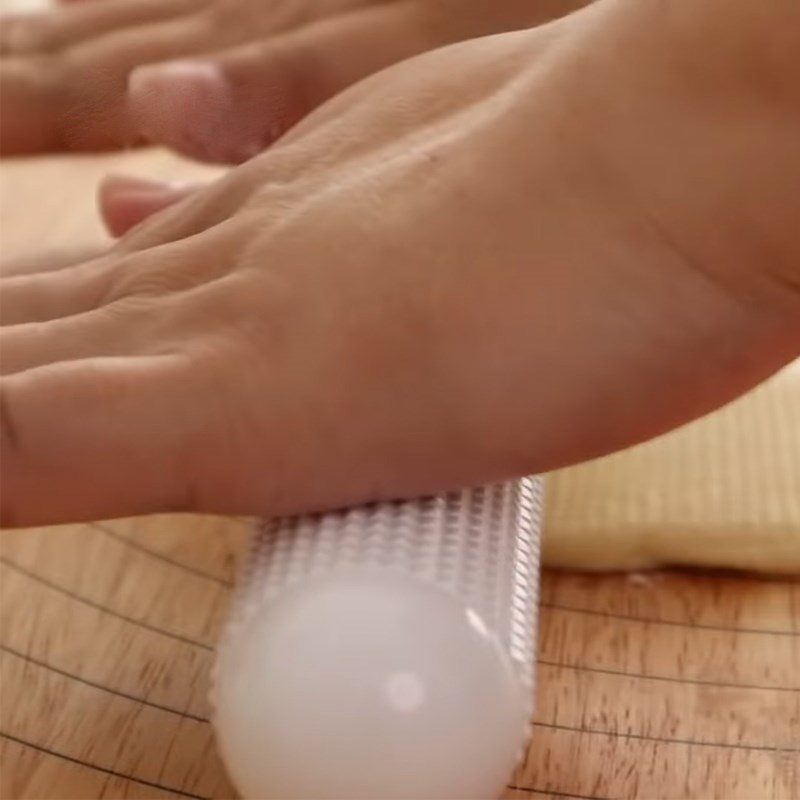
671	685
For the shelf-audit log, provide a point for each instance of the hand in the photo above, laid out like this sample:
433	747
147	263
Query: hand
217	80
463	269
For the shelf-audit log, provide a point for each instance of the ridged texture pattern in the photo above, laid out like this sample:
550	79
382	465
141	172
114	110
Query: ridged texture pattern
481	545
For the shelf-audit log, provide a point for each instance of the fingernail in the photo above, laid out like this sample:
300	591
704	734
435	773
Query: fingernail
180	102
133	183
189	78
190	105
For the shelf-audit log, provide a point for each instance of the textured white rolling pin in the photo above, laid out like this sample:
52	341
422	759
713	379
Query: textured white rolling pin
384	652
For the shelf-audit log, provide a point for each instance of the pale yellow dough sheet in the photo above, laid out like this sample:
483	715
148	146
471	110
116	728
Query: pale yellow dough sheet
721	492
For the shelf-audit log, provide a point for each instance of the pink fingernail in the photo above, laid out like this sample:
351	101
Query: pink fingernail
133	183
192	76
180	103
190	105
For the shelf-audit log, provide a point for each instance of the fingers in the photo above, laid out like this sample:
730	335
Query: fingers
94	113
76	100
48	261
66	26
125	202
228	107
129	324
151	261
44	296
91	439
135	323
53	311
37	344
65	86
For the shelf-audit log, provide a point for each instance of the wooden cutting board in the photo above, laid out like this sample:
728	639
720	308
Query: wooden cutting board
670	685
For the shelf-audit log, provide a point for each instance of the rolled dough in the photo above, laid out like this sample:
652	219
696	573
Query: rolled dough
721	492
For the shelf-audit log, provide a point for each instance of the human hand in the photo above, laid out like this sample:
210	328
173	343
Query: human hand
225	77
463	269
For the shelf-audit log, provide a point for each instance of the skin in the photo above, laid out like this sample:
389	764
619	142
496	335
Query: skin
217	80
498	258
